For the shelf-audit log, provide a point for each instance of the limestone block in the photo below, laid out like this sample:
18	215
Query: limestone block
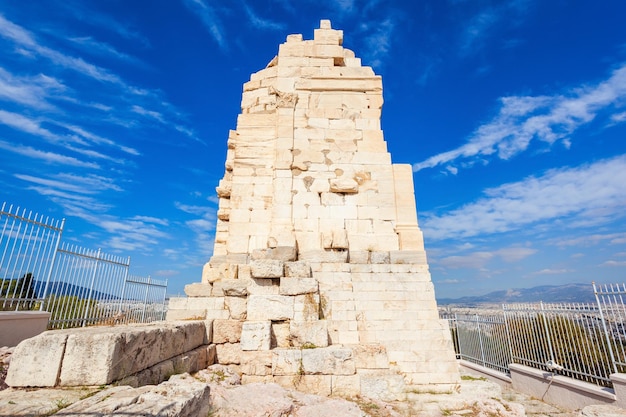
383	386
243	272
340	239
263	286
308	242
280	334
197	303
306	307
209	273
256	335
237	307
408	257
279	253
309	334
228	353
266	268
234	287
324	256
216	314
226	331
370	356
36	362
287	362
328	361
332	199
258	363
270	307
313	384
346	385
344	185
185	314
359	257
380	257
114	353
297	286
198	290
297	269
208	332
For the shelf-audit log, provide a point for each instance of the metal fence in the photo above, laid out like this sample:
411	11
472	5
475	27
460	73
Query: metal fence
78	286
582	341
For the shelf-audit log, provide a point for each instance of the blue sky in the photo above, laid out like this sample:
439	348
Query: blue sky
115	115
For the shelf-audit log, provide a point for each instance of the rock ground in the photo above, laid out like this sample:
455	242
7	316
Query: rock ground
474	397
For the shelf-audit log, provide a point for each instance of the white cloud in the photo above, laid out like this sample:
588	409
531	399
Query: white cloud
548	271
209	18
71	183
260	23
569	193
546	118
614	263
48	157
32	91
25	124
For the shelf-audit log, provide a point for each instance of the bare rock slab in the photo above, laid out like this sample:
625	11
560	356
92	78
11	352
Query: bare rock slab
181	396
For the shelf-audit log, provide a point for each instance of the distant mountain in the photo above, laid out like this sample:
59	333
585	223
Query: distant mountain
569	293
63	288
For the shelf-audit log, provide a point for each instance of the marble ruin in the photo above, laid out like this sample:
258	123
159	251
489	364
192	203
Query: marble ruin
319	278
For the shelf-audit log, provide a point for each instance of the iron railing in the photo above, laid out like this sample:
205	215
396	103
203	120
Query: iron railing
586	342
78	286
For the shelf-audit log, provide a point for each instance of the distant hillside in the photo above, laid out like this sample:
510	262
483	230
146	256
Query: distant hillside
569	293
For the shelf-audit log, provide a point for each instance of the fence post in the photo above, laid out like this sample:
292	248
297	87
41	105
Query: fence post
163	303
89	293
480	340
606	332
52	264
547	330
124	287
145	300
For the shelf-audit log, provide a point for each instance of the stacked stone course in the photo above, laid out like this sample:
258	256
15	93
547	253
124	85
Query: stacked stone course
319	277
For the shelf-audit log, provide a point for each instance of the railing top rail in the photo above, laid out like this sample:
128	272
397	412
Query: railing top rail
33	218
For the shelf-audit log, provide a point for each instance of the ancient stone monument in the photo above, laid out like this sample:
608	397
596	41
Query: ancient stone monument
319	278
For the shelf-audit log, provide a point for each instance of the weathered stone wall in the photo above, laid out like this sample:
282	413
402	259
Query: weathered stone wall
319	277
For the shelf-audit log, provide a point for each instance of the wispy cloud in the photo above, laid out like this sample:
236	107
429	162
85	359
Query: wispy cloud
378	42
545	118
24	39
210	20
92	46
484	23
25	124
46	156
32	91
478	260
560	194
259	22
